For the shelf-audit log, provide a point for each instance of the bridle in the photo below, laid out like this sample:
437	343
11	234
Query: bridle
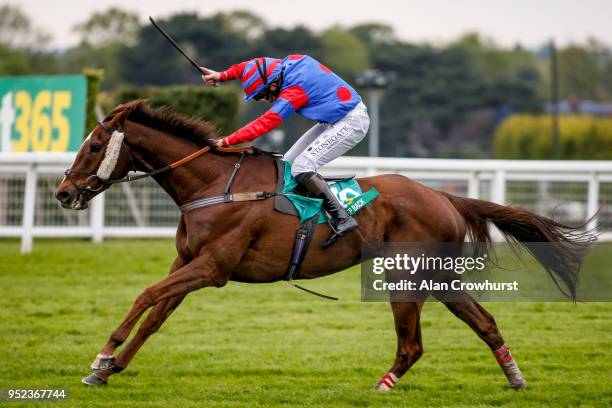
104	184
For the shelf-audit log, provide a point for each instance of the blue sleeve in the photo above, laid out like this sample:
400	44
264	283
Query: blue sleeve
283	108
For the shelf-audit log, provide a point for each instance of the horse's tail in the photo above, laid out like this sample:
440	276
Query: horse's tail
562	259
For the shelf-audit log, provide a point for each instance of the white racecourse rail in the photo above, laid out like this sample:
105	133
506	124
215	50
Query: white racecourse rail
570	191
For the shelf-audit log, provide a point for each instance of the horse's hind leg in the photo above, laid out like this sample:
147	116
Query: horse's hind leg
409	344
483	323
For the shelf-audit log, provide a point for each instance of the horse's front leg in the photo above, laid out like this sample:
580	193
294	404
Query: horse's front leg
105	365
198	273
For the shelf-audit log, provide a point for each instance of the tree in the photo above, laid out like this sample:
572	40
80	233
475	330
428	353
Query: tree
13	62
280	42
585	71
250	25
374	34
111	27
22	47
434	91
496	63
606	79
211	41
17	31
578	73
344	52
102	36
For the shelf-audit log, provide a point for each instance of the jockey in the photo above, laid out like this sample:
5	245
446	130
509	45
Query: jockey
299	83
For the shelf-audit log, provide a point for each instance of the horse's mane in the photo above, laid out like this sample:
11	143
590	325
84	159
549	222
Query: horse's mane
193	129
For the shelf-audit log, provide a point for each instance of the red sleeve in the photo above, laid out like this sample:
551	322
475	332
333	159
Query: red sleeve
233	72
253	130
295	95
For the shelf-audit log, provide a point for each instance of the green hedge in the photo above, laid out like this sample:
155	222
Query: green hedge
218	106
582	137
94	77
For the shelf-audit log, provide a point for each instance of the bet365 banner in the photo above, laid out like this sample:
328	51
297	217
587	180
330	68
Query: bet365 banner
42	113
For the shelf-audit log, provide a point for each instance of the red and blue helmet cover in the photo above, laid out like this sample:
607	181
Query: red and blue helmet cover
252	82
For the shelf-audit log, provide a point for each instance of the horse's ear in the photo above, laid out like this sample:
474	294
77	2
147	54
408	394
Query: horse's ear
122	112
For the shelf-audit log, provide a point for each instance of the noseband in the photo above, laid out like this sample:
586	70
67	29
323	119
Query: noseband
96	179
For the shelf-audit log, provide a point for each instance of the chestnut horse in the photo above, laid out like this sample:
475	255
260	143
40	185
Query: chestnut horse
251	242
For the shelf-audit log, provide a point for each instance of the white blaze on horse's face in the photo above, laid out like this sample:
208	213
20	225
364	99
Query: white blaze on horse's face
87	139
111	156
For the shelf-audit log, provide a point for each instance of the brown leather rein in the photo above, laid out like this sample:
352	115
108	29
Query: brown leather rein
178	163
128	178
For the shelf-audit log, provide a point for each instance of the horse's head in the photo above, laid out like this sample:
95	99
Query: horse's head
102	156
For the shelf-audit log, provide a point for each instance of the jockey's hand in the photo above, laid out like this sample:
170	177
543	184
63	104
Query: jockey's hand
216	142
210	77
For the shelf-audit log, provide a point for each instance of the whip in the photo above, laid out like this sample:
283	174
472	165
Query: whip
167	36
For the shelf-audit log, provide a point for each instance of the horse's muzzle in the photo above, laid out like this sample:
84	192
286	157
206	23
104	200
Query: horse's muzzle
71	198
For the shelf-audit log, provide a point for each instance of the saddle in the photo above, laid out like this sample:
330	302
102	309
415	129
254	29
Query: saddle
281	202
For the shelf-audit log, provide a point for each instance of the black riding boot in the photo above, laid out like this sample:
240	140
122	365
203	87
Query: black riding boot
319	188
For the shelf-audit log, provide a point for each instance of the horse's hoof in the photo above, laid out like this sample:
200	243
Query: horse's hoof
93	379
103	362
518	386
381	388
386	383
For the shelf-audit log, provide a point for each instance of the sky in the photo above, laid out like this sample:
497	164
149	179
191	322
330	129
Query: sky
528	22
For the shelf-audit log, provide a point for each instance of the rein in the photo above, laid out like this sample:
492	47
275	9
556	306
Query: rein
164	169
203	202
128	178
108	182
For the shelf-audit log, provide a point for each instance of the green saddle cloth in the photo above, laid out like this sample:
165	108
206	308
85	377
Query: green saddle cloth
347	192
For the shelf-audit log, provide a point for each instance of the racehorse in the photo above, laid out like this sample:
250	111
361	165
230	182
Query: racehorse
251	242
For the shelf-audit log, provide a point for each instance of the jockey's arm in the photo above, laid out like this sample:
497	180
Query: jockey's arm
233	72
212	77
254	129
289	101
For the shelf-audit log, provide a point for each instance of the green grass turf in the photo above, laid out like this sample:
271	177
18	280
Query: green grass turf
272	345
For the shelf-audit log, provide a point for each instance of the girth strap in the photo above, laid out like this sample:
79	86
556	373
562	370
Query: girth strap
226	198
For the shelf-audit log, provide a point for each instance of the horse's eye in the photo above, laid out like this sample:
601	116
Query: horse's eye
95	148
